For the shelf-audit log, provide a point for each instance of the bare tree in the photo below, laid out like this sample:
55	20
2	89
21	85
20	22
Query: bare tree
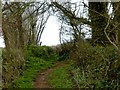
70	18
35	19
19	29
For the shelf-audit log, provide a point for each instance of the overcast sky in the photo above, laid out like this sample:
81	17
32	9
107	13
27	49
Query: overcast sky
50	35
1	42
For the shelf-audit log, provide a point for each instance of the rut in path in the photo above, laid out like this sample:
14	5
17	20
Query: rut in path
42	79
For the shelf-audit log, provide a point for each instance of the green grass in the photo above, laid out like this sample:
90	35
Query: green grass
34	65
33	68
60	78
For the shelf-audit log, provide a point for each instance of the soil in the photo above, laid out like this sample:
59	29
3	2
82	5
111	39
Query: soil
42	79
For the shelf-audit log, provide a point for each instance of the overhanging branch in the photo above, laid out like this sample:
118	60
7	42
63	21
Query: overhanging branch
70	14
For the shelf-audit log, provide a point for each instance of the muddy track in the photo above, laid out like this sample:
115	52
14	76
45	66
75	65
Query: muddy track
41	80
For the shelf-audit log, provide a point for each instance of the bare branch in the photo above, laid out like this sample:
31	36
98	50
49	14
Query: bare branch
108	23
70	14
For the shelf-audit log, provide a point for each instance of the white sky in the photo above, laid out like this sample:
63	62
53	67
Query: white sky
50	35
2	42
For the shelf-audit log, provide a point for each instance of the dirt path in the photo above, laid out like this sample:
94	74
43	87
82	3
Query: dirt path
42	79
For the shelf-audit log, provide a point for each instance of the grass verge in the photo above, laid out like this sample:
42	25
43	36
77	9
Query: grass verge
60	78
27	78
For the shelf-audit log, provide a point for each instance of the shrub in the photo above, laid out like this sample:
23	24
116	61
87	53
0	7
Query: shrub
66	48
39	51
97	67
13	64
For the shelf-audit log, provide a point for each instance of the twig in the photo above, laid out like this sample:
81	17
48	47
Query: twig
108	23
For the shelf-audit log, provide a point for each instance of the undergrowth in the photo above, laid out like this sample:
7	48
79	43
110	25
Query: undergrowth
96	67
